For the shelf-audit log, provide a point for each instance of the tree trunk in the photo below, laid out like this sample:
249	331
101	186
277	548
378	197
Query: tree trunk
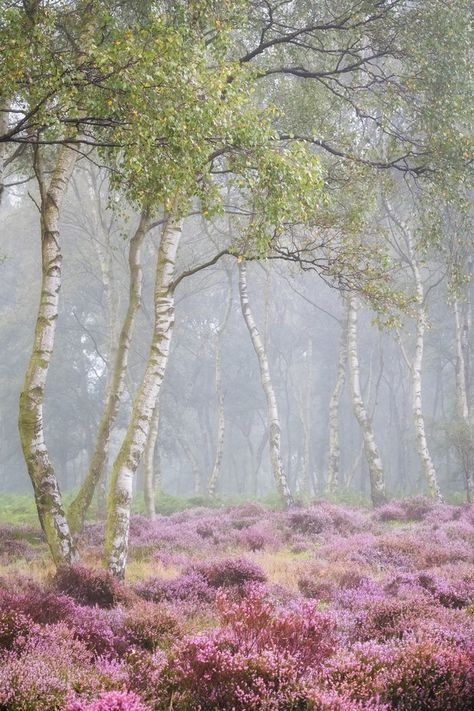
216	469
149	475
376	475
79	506
427	465
272	408
40	469
332	485
4	114
462	329
133	445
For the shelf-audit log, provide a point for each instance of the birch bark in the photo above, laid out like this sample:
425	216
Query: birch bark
267	385
216	469
427	465
79	506
150	479
376	475
133	445
334	451
462	328
40	469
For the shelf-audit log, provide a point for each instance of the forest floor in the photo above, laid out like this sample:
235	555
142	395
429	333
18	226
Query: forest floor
328	607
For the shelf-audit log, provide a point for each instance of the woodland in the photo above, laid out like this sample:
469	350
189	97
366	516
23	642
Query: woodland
237	355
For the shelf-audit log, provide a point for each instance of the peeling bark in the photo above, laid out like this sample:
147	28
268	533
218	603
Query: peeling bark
332	484
376	475
133	445
40	469
267	385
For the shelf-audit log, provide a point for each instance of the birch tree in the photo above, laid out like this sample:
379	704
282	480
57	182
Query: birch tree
79	506
216	469
273	418
333	478
374	462
31	424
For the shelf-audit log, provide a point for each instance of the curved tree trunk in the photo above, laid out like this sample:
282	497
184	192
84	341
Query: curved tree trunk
40	469
216	469
332	484
133	445
376	475
79	506
272	408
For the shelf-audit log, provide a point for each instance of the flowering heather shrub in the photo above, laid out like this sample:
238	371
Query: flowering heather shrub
15	628
39	675
418	675
144	672
393	511
316	588
87	586
257	537
416	507
43	606
109	701
256	659
229	572
311	521
150	626
191	587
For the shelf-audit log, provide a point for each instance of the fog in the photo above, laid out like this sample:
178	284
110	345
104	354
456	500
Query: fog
299	316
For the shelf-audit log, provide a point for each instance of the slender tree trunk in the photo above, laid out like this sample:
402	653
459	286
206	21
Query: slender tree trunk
80	505
334	458
149	474
40	469
462	399
427	465
216	469
272	408
4	114
376	475
133	445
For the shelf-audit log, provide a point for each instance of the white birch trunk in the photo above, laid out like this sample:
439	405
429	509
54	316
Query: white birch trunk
133	445
40	469
428	469
334	450
267	385
461	329
376	475
216	469
149	473
79	506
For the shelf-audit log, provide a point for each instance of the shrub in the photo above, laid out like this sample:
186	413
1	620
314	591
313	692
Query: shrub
191	587
149	626
229	572
418	675
311	521
256	659
87	586
15	628
109	701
